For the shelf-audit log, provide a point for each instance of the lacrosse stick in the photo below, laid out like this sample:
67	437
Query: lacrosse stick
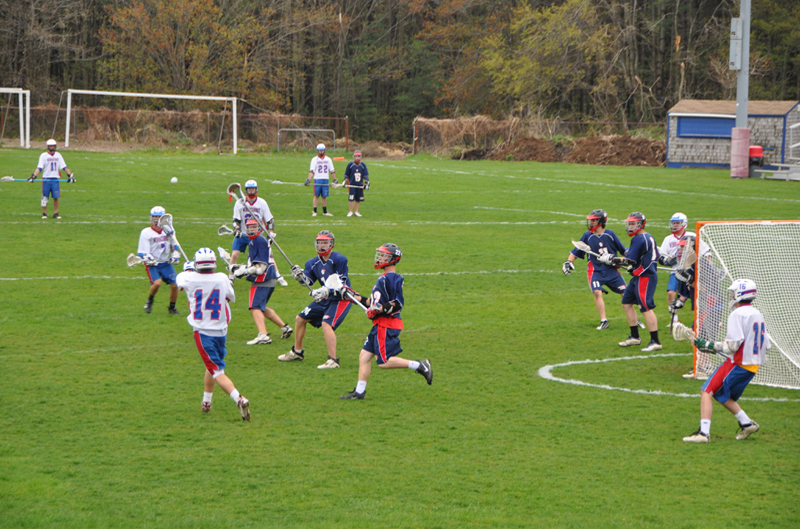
681	333
12	179
225	256
224	230
334	283
166	220
233	189
688	258
585	248
134	260
278	182
337	186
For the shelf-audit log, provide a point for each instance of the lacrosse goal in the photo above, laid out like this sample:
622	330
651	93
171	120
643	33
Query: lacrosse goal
764	251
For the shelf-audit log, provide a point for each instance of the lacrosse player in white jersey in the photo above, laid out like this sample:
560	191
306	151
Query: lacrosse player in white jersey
260	207
159	257
321	171
670	248
210	295
51	163
746	343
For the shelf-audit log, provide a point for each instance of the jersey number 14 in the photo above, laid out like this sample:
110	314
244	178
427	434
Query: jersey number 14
212	304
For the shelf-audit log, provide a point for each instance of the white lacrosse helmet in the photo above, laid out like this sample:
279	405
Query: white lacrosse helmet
156	213
742	290
51	143
205	259
251	184
188	266
320	147
678	222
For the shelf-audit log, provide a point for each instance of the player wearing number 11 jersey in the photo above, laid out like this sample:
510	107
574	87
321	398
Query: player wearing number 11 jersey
605	243
209	296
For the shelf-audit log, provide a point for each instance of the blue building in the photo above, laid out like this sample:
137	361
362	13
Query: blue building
699	132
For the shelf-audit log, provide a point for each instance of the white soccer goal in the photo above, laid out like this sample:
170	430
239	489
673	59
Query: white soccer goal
24	114
232	100
766	252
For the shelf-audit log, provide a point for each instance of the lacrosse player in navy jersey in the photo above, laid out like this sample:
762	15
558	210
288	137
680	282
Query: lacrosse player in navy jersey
357	176
258	206
745	346
600	272
154	249
384	307
260	270
329	309
209	296
642	261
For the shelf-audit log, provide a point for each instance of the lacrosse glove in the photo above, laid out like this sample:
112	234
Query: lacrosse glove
32	177
366	185
374	311
675	305
237	230
605	259
175	258
320	294
307	182
666	260
567	267
71	179
168	230
704	345
240	270
685	276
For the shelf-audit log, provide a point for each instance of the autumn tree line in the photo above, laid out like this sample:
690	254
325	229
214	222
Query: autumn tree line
384	62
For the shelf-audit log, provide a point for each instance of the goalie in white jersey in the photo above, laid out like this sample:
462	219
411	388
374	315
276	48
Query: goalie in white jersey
209	296
746	343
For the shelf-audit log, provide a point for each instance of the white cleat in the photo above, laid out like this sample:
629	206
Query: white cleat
330	363
697	437
603	325
349	213
286	331
629	341
260	339
745	430
640	324
244	408
282	282
689	375
327	214
291	355
357	214
652	346
206	407
313	213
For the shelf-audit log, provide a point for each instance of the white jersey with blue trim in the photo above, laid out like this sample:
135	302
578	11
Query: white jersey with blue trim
209	296
746	325
322	168
259	207
51	164
155	243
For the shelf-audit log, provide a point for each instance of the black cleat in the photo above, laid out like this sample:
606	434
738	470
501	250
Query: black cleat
172	310
148	306
424	369
353	395
56	216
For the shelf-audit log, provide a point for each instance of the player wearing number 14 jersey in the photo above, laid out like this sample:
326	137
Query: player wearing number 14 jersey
209	296
605	243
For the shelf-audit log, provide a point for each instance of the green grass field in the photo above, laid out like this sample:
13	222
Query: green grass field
100	409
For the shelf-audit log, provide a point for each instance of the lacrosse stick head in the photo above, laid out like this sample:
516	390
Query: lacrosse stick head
7	179
686	254
224	230
133	260
224	253
165	220
681	332
582	246
334	283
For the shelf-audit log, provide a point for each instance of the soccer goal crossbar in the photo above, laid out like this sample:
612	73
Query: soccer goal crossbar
24	114
231	100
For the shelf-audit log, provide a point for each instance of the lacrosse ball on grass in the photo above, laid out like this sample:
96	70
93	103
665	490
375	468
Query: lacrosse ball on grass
174	180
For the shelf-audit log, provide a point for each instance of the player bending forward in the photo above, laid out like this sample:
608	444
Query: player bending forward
328	309
383	341
260	270
209	296
599	271
747	341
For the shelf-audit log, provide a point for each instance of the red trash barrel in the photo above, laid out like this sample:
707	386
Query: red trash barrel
756	159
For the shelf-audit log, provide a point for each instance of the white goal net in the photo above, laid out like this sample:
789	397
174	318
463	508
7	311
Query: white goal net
766	252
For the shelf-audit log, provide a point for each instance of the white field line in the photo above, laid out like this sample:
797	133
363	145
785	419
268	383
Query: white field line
546	373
